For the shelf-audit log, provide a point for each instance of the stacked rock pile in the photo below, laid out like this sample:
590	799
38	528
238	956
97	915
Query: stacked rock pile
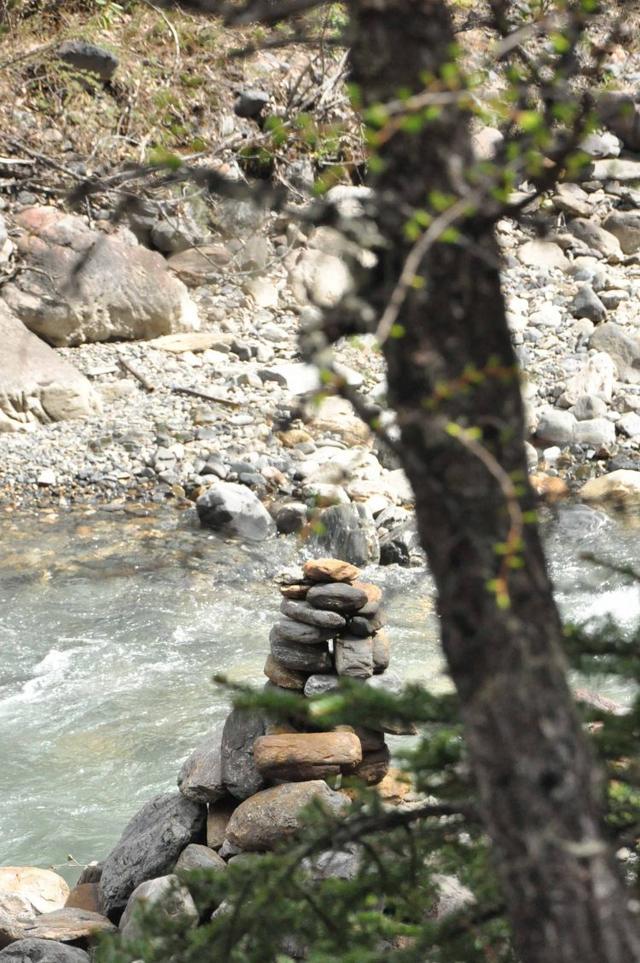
242	790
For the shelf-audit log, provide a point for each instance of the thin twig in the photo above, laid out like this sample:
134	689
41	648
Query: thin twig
171	28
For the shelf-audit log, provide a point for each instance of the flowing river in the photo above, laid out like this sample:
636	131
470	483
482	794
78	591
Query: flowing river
113	625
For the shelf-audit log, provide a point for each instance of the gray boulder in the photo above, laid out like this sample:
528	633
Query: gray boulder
349	533
165	894
196	856
587	304
556	427
42	951
234	510
625	225
595	431
250	102
79	285
200	778
622	347
37	386
88	58
239	772
149	847
596	237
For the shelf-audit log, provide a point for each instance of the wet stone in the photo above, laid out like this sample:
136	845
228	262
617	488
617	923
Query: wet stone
303	612
336	597
303	657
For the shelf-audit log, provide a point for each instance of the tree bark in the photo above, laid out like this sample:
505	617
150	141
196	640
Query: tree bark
539	786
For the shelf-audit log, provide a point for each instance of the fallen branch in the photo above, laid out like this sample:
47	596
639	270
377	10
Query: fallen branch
135	371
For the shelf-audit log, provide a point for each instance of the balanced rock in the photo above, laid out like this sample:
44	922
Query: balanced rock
354	656
149	847
301	657
69	925
239	772
299	756
374	597
42	951
235	510
42	888
79	285
303	612
381	652
282	676
196	856
330	570
274	815
374	766
200	778
337	597
286	630
319	684
167	895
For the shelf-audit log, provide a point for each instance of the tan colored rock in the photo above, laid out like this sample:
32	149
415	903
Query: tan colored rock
44	889
330	570
85	896
274	815
186	341
196	266
549	487
37	386
335	416
396	786
620	487
68	926
296	592
374	766
373	592
217	820
381	651
280	675
293	437
294	755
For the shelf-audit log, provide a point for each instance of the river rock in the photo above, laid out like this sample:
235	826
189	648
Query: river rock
149	847
274	815
44	889
286	630
601	144
329	570
290	517
556	427
283	677
235	510
622	347
571	199
337	597
88	58
625	225
42	951
301	657
320	684
167	896
598	432
381	652
349	532
79	285
300	756
335	416
587	304
354	656
595	237
619	169
196	856
67	926
596	378
217	820
542	254
15	911
621	487
374	597
36	384
374	766
201	265
200	778
239	772
303	612
85	896
334	864
589	406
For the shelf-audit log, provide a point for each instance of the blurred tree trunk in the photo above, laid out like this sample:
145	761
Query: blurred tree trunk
539	786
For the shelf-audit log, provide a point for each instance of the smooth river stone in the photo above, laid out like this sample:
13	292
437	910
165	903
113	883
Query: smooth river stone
330	570
354	657
196	856
282	676
303	612
286	630
374	598
359	625
337	597
200	778
294	591
303	658
239	772
67	926
319	684
272	816
292	755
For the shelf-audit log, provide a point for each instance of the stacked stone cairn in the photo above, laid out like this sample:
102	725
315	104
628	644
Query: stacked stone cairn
241	791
